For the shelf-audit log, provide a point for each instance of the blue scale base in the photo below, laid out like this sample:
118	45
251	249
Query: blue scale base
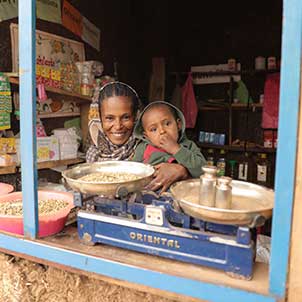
154	227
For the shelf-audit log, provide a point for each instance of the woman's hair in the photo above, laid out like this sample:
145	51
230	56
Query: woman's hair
119	89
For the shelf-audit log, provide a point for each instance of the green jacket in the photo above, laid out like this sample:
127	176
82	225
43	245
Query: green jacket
189	154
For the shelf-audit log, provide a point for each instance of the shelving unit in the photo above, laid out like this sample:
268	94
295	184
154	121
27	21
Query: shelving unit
80	98
239	121
228	105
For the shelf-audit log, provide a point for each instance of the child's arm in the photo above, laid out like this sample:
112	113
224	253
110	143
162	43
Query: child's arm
189	156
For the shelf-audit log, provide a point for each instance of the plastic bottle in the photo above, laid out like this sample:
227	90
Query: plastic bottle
221	164
244	168
263	170
233	169
210	158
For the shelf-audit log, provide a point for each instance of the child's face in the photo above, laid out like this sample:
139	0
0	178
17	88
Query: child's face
159	121
117	118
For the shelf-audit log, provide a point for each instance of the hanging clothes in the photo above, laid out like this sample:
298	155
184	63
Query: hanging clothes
241	93
189	105
271	101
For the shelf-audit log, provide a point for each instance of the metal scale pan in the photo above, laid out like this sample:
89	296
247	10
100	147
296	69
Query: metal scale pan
109	189
251	204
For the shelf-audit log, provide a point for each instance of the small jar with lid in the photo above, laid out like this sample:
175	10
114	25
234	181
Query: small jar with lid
223	194
207	186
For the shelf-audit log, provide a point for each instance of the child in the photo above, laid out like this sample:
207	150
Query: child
112	117
161	127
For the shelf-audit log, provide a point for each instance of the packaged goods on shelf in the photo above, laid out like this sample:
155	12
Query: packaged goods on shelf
6	160
7	145
68	141
47	149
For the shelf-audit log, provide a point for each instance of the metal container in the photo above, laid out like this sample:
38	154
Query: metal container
223	197
207	186
251	203
144	171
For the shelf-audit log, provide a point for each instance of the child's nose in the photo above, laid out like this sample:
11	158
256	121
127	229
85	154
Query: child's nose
162	130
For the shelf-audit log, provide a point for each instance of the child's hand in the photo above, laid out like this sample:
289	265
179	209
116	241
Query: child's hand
169	144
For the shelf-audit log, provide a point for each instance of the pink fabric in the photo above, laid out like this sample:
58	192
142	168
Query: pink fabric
271	101
189	106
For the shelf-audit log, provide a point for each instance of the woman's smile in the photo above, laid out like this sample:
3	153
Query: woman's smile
117	119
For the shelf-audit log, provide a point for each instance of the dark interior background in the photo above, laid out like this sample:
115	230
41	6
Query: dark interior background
185	33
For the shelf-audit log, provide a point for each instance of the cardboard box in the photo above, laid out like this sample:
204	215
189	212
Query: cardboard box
7	145
68	143
47	149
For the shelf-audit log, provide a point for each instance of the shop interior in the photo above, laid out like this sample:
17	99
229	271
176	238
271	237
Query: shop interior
182	37
229	51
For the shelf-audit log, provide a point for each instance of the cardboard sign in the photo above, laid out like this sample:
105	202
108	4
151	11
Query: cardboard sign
91	34
55	58
8	9
79	25
49	10
72	18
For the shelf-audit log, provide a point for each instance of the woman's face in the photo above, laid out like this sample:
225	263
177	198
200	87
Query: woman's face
117	118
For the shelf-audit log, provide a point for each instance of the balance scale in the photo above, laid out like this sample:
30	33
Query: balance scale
175	225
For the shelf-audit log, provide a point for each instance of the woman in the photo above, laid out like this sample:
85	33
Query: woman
112	117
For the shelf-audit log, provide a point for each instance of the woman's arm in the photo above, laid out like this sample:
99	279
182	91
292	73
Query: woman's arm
166	174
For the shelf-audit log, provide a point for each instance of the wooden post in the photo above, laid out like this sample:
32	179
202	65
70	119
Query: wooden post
295	265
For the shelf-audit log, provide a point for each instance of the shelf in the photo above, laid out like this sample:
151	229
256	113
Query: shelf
80	98
8	170
244	106
58	114
237	106
226	72
57	163
237	148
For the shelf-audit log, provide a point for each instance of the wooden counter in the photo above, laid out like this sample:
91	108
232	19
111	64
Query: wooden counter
68	239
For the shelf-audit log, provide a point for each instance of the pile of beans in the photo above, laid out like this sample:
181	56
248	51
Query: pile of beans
46	207
103	177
